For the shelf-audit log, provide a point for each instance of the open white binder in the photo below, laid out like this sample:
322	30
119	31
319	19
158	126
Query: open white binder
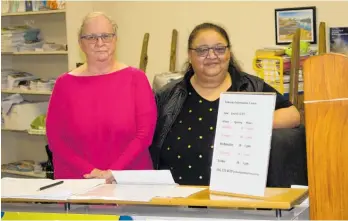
21	188
132	185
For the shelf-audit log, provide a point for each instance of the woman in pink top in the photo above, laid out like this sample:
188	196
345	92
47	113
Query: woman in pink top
102	115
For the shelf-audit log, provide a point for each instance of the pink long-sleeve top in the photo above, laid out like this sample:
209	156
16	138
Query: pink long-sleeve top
104	122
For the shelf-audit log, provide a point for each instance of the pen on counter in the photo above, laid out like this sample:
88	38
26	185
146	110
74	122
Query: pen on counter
51	185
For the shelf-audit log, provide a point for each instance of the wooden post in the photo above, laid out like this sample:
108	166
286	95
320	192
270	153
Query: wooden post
143	57
295	66
326	108
322	38
173	51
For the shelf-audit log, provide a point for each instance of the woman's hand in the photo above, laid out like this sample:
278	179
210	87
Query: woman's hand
110	178
97	174
101	174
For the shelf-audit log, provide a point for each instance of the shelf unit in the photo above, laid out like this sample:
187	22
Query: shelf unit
23	174
18	91
36	53
19	145
33	13
30	131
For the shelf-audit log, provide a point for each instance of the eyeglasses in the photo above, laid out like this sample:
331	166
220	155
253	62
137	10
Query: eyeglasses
204	51
106	37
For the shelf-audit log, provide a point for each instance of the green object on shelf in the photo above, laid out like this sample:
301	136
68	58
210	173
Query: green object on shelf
39	123
304	48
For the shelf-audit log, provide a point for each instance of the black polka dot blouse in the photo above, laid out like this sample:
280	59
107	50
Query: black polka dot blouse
188	148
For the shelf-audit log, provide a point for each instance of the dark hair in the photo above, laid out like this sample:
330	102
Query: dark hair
210	26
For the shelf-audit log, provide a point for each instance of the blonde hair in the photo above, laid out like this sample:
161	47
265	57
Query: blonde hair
94	15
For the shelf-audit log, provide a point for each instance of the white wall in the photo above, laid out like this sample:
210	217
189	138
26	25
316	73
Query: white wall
75	11
249	24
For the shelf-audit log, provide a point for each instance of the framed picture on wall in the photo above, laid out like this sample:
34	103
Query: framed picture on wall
288	20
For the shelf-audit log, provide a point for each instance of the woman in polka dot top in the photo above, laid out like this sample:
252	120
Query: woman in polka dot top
188	107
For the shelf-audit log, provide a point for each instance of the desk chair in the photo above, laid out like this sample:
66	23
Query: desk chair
49	164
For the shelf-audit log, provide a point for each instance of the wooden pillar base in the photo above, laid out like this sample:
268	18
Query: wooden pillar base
326	109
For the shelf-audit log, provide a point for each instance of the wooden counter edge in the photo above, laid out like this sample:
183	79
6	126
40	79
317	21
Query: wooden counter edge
193	200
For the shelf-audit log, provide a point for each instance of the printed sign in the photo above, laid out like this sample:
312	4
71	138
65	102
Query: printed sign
242	143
